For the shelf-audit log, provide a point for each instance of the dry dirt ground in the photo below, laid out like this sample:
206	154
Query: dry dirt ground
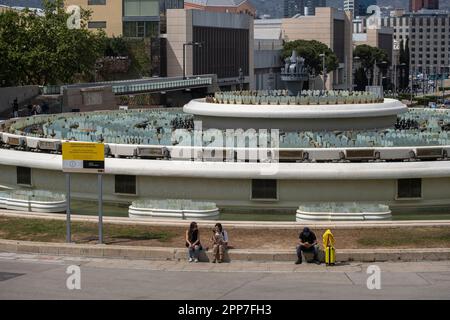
54	231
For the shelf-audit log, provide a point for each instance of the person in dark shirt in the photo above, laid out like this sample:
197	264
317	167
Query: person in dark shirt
308	243
193	242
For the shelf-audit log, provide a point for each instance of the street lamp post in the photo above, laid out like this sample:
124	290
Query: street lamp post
380	74
241	79
324	70
355	60
199	44
412	85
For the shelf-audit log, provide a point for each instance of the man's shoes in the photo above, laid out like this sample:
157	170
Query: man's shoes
190	259
214	261
298	261
196	260
317	262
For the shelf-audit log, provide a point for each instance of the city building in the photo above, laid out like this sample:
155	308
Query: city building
428	36
228	6
130	18
268	54
416	5
211	43
380	38
353	6
138	19
331	27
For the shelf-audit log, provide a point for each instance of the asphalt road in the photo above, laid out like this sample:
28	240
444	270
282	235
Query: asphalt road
45	277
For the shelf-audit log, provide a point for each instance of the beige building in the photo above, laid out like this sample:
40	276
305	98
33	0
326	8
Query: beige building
106	15
329	26
226	46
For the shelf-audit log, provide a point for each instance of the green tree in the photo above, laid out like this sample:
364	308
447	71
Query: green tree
43	50
116	46
310	51
368	57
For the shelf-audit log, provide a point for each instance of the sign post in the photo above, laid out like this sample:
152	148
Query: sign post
84	157
68	232
100	209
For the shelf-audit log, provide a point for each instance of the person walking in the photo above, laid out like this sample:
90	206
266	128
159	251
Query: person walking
193	242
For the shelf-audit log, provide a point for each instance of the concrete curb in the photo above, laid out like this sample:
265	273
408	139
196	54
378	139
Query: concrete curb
231	224
157	253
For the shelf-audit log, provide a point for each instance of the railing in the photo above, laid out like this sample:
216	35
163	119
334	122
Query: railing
137	85
51	90
164	85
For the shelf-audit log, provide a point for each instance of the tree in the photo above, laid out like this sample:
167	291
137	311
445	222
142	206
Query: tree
368	57
310	51
41	50
115	47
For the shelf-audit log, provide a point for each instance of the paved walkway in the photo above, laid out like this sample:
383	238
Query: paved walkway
24	276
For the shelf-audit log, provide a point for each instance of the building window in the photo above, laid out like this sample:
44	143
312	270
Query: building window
24	176
264	189
140	29
141	8
409	188
125	184
96	2
97	24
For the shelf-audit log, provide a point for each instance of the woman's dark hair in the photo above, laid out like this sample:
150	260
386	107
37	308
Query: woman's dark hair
219	225
191	229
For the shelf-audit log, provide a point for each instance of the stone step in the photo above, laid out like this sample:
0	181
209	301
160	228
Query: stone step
157	253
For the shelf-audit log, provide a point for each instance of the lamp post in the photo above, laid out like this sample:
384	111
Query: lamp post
402	74
355	60
412	85
324	70
199	44
241	79
380	75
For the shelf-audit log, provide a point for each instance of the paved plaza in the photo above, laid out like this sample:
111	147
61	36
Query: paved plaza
25	276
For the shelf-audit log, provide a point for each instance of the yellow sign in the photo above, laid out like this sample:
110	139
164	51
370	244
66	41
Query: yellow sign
83	157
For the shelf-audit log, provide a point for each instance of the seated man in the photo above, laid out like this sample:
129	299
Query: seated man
308	243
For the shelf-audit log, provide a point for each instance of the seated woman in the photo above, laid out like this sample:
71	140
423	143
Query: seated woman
193	242
220	242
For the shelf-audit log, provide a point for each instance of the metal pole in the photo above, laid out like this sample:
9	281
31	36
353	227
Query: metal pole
100	209
68	231
184	61
323	70
412	85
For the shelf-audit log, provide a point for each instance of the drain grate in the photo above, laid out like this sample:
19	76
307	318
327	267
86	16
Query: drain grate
7	275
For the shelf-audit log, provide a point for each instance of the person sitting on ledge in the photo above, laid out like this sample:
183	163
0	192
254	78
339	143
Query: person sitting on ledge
193	242
307	243
220	242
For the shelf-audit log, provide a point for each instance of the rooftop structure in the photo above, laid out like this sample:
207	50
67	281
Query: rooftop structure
226	6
